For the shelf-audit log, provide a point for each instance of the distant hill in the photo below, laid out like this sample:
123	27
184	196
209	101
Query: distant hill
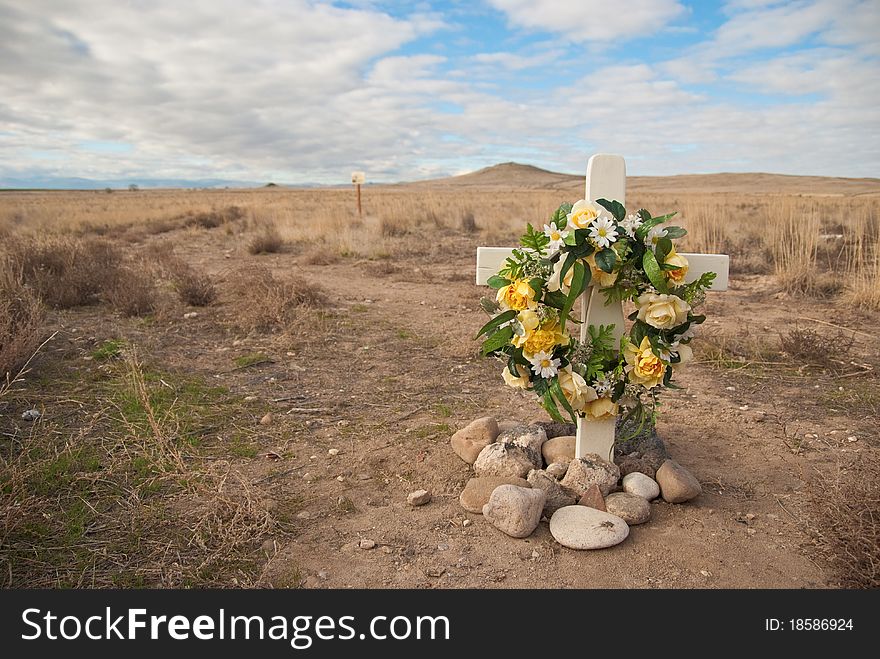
508	174
516	175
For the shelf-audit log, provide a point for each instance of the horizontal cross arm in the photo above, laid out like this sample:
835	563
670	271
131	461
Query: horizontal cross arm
491	259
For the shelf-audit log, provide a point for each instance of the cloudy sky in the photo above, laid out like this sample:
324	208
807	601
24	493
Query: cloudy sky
304	90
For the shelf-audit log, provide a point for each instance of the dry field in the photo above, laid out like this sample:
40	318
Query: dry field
175	321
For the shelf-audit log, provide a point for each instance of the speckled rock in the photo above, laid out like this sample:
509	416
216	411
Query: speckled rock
501	459
559	449
641	485
580	527
515	510
593	498
477	491
557	469
556	429
504	426
677	484
530	437
555	496
474	437
631	508
591	470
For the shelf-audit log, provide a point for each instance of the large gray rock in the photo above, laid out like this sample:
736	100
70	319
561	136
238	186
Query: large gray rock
474	437
515	510
477	491
590	470
641	485
631	438
580	527
559	449
555	429
677	484
556	497
501	459
631	508
530	437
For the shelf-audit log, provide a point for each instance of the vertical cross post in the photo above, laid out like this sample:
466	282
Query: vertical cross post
606	179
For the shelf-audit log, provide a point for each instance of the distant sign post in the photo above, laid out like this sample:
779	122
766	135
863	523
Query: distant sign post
358	178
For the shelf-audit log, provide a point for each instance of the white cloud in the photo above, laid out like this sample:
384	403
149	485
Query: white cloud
595	21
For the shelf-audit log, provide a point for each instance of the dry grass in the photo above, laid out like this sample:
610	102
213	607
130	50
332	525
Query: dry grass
128	500
267	240
21	323
264	302
192	286
844	520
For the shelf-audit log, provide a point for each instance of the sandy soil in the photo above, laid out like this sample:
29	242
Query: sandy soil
391	373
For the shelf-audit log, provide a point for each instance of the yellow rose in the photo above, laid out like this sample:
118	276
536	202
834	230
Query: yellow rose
678	275
685	353
518	382
582	214
643	366
578	393
600	278
542	339
554	284
517	295
662	311
528	319
602	408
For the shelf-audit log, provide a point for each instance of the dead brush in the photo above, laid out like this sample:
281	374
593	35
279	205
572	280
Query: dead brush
267	240
843	519
264	302
214	218
193	287
21	323
807	346
131	292
65	272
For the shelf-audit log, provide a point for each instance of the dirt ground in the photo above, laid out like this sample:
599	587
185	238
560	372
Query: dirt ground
391	371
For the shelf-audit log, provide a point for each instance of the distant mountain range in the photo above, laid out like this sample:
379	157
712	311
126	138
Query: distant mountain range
509	175
76	183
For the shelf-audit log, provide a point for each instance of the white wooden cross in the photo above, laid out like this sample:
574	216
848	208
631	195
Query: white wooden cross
606	179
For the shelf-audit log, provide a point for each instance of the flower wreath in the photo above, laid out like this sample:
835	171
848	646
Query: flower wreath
630	257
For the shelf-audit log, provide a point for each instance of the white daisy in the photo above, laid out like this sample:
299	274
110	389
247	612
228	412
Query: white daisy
654	235
630	224
602	232
557	236
603	386
544	365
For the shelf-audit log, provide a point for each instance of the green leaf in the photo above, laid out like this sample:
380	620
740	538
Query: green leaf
489	306
500	319
618	391
664	246
606	259
649	224
497	282
579	281
644	214
498	340
613	207
638	332
559	215
536	284
550	406
570	259
556	299
581	236
675	232
556	389
534	239
655	274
